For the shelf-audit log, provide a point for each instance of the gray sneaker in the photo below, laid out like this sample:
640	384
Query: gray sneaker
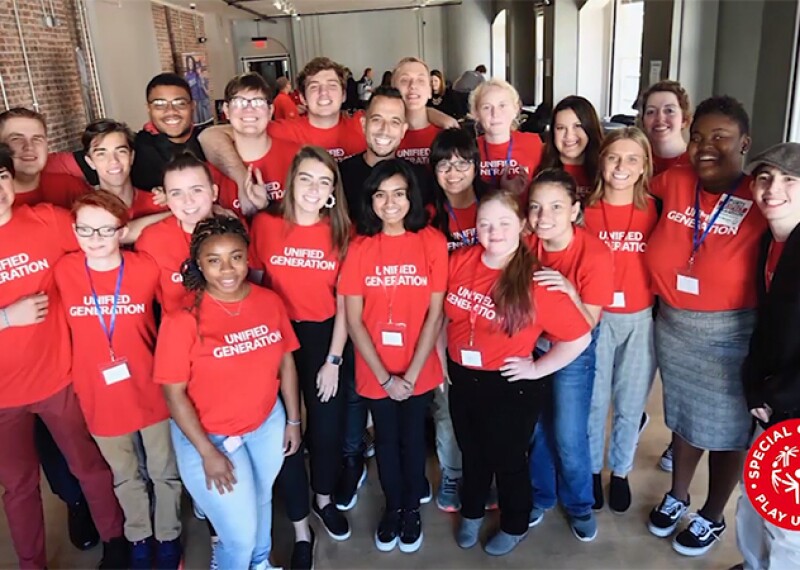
468	531
502	543
447	498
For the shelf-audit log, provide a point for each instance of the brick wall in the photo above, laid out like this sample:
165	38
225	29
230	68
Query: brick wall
162	37
177	32
51	53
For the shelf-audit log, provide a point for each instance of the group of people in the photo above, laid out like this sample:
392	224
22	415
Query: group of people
176	298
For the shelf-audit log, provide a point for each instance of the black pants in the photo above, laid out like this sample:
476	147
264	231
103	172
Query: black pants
493	421
400	448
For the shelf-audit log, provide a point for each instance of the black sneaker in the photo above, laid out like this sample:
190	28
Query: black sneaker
82	532
388	531
619	495
427	493
116	554
665	462
597	488
354	473
665	517
303	553
335	523
410	531
699	536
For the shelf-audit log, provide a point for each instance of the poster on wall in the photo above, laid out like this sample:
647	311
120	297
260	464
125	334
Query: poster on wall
196	74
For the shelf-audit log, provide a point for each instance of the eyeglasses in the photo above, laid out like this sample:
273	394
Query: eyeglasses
444	166
180	104
244	103
87	232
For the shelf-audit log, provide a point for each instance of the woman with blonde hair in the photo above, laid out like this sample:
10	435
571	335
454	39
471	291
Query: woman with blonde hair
621	213
509	158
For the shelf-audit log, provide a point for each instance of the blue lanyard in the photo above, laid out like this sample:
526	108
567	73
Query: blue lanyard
108	330
495	183
697	237
463	237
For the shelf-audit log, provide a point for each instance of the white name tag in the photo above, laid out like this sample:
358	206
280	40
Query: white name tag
232	443
116	372
687	284
391	338
470	357
619	300
735	211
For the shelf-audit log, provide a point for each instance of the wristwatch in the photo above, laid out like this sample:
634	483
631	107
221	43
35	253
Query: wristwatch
333	359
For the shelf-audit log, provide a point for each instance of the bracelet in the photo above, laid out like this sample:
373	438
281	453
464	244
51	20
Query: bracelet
293	422
388	381
5	318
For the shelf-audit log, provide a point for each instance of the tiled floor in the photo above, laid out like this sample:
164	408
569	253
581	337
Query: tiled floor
623	540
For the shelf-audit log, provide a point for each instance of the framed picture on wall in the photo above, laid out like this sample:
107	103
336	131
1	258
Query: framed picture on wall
195	67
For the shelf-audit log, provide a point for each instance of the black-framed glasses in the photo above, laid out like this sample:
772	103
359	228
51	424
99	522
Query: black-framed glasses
244	102
180	104
444	166
105	231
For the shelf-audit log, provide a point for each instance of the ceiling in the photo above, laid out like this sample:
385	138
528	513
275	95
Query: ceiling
303	7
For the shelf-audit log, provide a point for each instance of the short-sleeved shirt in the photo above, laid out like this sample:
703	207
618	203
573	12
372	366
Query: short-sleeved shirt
344	139
168	244
57	189
397	275
526	154
229	355
416	144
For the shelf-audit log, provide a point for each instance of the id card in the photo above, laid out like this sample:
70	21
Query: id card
393	334
470	356
687	284
619	300
115	371
232	443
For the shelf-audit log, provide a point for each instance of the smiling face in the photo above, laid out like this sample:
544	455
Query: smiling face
384	125
171	109
190	195
777	195
249	112
223	261
622	165
716	147
455	175
413	81
662	119
497	110
390	202
112	158
104	241
312	186
569	137
551	212
498	228
27	138
323	94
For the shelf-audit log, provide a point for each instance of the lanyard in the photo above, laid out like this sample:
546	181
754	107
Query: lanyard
389	297
476	307
495	182
108	330
608	234
463	237
697	237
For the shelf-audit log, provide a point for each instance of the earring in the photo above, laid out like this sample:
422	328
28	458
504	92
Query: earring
330	202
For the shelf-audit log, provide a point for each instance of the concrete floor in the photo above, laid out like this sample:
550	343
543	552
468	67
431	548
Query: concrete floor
623	540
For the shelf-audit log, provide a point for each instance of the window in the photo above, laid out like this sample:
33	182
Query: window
499	45
539	80
627	55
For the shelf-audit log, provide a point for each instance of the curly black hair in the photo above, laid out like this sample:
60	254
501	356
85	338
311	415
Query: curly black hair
727	106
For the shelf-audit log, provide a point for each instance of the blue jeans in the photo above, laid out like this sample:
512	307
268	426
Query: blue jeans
559	459
243	518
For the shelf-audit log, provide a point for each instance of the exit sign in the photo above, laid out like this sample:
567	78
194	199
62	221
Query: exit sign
259	42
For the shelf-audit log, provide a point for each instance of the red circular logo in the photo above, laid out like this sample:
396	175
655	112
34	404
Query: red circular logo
772	475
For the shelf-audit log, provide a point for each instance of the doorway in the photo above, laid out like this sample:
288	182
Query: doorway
270	68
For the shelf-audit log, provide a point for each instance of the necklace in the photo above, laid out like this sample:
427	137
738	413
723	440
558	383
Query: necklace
235	313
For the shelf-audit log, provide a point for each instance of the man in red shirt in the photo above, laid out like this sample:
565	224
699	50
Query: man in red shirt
285	107
412	78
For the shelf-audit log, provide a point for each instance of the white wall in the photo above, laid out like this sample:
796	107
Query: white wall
697	47
127	56
468	28
595	22
565	49
279	42
221	59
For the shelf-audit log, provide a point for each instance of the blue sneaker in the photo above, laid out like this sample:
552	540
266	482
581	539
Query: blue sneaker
142	554
536	516
169	554
584	528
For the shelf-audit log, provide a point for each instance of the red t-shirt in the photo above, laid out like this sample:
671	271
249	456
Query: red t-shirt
57	189
230	361
300	264
461	224
662	164
128	405
405	269
469	284
625	230
526	154
285	107
36	358
584	182
773	255
726	261
343	140
416	145
586	262
168	245
274	167
143	205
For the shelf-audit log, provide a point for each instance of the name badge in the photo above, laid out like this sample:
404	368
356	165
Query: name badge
392	334
735	211
116	371
688	284
619	300
471	357
232	443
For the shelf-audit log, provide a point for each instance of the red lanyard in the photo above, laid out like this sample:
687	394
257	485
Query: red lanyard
607	227
389	297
